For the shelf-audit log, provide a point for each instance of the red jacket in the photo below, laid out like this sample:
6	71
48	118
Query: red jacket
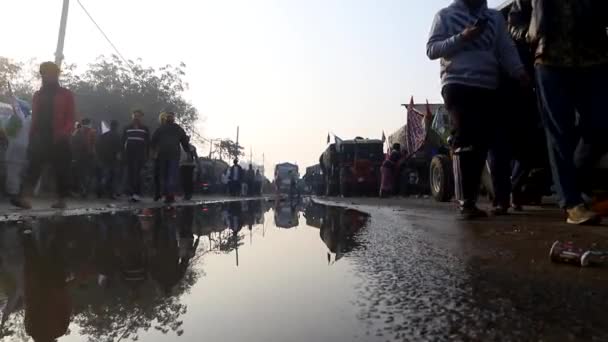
63	114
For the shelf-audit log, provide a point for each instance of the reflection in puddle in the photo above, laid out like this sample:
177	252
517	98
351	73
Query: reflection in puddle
164	273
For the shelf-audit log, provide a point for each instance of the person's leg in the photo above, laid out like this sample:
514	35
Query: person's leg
591	90
519	175
61	156
164	175
173	176
131	171
499	160
141	163
37	159
469	147
556	98
157	186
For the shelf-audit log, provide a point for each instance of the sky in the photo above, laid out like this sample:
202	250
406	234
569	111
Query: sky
287	72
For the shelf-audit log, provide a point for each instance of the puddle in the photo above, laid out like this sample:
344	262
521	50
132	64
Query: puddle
251	271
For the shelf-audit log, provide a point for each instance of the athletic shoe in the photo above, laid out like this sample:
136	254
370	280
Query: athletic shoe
21	202
517	208
60	204
471	213
500	211
580	215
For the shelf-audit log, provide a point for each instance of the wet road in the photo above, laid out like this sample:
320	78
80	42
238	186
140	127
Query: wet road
261	271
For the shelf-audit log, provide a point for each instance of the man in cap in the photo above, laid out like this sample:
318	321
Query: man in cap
136	138
52	125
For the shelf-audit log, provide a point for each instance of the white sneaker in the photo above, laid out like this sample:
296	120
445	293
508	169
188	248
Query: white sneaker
135	198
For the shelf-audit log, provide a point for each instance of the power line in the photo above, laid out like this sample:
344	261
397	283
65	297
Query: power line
105	35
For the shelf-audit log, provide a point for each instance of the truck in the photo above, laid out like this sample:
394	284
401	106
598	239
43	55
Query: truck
284	173
352	167
209	176
313	180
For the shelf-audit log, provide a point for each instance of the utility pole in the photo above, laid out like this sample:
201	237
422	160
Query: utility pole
62	27
236	153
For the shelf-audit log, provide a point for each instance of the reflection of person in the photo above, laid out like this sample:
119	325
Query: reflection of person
164	257
47	302
51	128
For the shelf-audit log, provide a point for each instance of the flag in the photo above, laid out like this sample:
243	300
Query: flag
416	132
104	127
15	122
328	138
383	137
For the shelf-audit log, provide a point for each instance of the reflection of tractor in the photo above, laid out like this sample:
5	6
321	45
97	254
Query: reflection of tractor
339	230
352	167
286	214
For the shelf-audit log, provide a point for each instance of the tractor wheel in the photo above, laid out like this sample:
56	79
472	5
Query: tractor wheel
441	178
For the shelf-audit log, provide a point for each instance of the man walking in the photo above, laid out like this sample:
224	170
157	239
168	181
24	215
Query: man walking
570	44
473	44
135	139
235	177
52	124
83	149
187	164
250	180
108	155
166	141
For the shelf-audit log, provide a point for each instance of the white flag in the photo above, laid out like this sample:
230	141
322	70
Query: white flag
104	127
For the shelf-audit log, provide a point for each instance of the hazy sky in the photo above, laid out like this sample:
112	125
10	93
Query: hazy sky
286	71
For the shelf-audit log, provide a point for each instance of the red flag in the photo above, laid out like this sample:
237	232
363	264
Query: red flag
416	132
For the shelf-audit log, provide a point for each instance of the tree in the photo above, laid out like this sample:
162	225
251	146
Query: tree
229	148
19	77
110	89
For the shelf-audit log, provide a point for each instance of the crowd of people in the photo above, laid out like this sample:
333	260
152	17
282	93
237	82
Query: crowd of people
82	161
241	182
563	46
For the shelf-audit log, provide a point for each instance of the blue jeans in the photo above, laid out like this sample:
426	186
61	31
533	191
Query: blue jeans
564	92
169	171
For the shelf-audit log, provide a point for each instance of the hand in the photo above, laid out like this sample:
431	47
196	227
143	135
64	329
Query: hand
471	33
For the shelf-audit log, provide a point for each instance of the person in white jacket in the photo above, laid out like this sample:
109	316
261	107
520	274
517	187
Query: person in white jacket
18	132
